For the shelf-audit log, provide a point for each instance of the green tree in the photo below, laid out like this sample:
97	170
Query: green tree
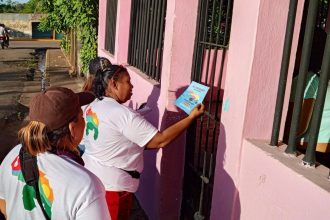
33	6
80	15
9	6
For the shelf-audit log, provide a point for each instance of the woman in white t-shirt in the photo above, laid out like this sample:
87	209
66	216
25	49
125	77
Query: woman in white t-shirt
116	136
43	177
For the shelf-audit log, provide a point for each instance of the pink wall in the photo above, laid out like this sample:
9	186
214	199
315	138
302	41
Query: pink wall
239	66
102	24
212	55
176	73
249	182
122	31
278	187
160	188
265	72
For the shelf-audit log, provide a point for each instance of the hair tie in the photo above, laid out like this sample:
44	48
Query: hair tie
101	64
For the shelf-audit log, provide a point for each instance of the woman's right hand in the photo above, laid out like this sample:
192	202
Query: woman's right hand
197	111
161	139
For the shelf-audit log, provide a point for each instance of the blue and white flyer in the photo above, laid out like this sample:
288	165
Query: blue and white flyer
191	97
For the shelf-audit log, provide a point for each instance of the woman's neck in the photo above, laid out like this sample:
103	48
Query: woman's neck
71	155
111	95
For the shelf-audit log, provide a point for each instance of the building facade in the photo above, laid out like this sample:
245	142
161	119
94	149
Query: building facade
223	167
25	26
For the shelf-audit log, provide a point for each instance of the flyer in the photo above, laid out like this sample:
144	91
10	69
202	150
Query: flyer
191	97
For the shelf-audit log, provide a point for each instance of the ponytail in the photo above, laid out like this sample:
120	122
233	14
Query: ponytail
101	79
34	138
99	85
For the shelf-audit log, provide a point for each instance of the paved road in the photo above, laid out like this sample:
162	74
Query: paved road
14	62
13	67
16	91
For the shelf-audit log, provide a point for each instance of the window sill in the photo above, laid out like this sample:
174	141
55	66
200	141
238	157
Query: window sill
136	71
318	175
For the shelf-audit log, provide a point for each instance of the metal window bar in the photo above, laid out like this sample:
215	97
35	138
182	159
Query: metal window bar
212	35
303	69
317	13
111	20
160	42
146	38
205	47
283	72
319	105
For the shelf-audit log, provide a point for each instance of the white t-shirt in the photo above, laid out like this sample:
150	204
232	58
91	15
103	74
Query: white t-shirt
114	141
2	31
69	191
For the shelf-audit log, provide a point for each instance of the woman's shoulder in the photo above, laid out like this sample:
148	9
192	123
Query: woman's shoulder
13	153
69	171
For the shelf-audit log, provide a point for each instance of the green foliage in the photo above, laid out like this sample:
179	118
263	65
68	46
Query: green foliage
33	6
66	44
79	15
10	6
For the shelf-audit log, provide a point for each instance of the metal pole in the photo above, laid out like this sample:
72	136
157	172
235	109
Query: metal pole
319	105
303	69
284	72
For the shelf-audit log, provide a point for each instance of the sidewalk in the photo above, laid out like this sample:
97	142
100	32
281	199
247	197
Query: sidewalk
17	92
57	71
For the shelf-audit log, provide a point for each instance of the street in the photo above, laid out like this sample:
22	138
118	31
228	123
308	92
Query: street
14	88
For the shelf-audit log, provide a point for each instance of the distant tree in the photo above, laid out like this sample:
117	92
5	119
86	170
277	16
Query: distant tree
9	6
63	16
33	6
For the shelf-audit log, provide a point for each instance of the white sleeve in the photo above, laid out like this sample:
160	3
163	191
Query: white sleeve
2	187
139	130
98	209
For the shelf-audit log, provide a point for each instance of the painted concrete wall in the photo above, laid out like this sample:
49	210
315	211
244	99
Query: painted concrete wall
160	188
20	25
278	187
239	66
250	181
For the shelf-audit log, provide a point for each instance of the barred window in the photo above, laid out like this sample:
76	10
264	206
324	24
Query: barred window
111	20
146	37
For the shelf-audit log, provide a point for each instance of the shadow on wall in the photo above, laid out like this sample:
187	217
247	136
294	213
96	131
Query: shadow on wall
148	189
14	33
172	166
226	201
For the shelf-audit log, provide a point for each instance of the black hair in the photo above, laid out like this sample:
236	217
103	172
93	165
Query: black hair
98	64
100	82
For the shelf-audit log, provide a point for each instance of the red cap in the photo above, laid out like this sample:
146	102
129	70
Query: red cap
57	106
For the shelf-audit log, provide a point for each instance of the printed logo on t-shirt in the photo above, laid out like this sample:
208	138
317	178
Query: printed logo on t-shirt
29	198
92	123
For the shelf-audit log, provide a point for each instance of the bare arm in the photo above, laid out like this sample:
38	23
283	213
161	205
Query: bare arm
161	139
3	206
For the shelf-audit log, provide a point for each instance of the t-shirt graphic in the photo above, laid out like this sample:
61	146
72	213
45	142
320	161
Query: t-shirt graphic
29	198
92	123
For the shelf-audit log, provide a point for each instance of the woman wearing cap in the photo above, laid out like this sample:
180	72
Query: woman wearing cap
43	177
97	64
116	137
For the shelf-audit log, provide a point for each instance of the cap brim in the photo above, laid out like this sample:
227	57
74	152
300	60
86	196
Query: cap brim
85	98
